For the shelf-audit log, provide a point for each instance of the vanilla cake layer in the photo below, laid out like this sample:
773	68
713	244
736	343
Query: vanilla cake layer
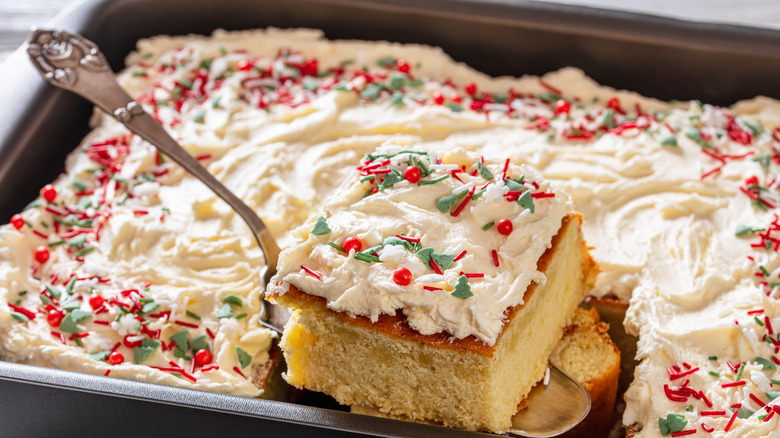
459	383
587	353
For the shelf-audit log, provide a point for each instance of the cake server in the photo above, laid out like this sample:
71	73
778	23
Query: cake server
72	62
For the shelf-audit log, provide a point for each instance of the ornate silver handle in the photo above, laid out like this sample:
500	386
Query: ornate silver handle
76	64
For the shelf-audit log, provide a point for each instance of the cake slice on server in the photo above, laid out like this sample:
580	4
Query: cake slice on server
434	287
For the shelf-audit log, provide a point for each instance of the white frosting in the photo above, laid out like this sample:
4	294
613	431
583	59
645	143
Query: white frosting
662	225
368	288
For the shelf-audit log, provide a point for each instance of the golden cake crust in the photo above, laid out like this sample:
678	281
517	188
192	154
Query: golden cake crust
396	325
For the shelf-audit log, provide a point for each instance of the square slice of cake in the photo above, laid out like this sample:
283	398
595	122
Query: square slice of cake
433	287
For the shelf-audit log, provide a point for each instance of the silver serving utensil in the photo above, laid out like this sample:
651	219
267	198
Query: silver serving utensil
74	63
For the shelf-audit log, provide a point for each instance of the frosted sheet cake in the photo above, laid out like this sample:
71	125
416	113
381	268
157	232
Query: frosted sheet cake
434	287
678	199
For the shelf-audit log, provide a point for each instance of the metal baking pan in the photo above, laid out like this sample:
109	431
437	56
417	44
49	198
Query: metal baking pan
39	126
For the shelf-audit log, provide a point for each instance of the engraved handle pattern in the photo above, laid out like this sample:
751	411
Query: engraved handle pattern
76	64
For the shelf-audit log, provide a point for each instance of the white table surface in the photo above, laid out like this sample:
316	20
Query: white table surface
18	16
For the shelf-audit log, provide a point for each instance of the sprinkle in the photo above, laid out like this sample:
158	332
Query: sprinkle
238	371
755	312
431	288
683	374
185	324
459	256
707	428
684	432
473	275
712	413
210	333
731	421
337	246
107	372
732	384
408	239
434	266
495	257
310	272
506	168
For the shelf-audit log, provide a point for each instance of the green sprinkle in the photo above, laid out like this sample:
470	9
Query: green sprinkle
484	172
758	321
739	373
425	255
140	354
337	246
199	117
363	257
444	261
22	293
68	323
180	338
243	357
477	195
741	230
57	243
454	107
100	356
689	408
232	299
445	203
488	225
224	312
775	382
743	412
44	299
433	181
53	291
672	423
243	315
462	288
78	185
764	271
766	364
386	62
368	178
84	252
199	343
390	180
371	92
215	102
714	373
149	307
20	317
526	201
320	227
69	286
670	141
193	315
771	395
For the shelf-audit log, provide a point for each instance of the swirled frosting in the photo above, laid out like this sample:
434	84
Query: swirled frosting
678	200
466	234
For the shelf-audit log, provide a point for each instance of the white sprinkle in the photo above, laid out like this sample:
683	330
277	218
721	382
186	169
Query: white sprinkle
725	312
400	184
463	188
520	216
495	107
546	376
446	167
430	278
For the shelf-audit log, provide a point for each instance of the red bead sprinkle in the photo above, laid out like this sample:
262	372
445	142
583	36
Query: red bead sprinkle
96	301
49	193
352	243
42	254
17	221
412	174
402	66
471	88
505	227
115	358
202	357
402	277
54	317
437	97
562	107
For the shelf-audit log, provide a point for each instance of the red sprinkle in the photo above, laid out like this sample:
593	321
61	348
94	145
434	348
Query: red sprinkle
22	310
470	88
460	256
431	288
403	276
733	384
311	272
542	195
550	87
210	333
42	254
407	238
473	275
185	324
683	374
435	267
237	370
731	421
463	204
49	193
17	221
755	312
495	257
712	413
506	168
684	432
101	322
707	428
209	368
